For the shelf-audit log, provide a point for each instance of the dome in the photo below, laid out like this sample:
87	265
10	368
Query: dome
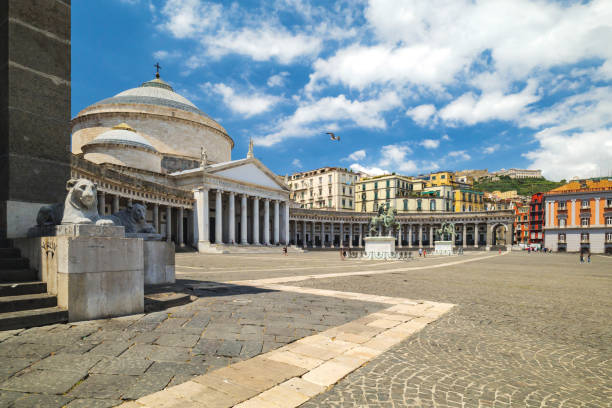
123	134
154	92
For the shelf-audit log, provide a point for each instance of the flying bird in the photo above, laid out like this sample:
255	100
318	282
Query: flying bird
333	136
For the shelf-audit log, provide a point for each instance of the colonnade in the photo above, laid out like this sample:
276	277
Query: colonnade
168	220
255	220
332	234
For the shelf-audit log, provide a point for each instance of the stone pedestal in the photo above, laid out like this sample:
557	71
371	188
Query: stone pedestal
158	259
379	247
443	248
95	271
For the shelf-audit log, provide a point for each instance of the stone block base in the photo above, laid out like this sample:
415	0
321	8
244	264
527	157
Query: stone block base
158	262
379	247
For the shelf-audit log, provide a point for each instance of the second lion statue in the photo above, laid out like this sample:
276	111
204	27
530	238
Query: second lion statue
133	218
81	205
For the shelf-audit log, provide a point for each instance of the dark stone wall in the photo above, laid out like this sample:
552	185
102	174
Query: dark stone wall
34	101
171	164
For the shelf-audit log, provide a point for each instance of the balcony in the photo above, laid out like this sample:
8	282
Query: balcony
584	240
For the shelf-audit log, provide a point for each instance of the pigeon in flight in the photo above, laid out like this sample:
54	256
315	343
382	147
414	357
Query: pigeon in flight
333	136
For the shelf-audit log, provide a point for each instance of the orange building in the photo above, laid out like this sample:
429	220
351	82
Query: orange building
578	217
521	224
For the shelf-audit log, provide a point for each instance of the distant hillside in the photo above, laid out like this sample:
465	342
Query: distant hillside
524	187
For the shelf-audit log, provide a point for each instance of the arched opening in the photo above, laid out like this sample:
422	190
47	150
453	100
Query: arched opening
499	235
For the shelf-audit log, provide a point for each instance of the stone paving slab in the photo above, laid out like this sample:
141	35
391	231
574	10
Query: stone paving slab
114	360
293	374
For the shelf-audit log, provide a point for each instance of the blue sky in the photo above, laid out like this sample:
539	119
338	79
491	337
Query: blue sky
410	86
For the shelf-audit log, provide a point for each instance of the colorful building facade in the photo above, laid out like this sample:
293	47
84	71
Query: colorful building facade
468	200
579	217
536	220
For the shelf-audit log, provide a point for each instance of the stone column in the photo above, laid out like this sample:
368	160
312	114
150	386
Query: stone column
286	221
219	217
476	235
232	217
322	234
169	223
203	215
312	234
155	216
116	208
102	203
276	222
489	232
331	235
255	220
420	235
431	228
341	234
360	234
304	244
409	235
350	234
266	221
399	236
464	232
295	225
243	219
179	228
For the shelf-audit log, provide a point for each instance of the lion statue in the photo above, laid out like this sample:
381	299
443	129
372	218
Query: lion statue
81	205
50	214
133	218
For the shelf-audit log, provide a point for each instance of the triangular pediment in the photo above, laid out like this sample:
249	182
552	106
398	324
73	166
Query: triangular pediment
250	171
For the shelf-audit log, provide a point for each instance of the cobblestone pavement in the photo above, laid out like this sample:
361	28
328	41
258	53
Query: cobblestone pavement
99	363
527	331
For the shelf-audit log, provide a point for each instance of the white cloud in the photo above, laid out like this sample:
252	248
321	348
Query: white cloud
491	149
245	104
422	113
459	155
445	137
371	171
166	55
582	154
187	18
263	43
327	112
471	109
297	163
356	155
394	156
278	79
430	143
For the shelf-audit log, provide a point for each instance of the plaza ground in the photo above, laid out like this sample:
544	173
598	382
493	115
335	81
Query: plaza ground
526	330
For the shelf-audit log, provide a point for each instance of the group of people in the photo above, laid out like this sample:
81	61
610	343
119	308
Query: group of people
422	252
585	254
537	249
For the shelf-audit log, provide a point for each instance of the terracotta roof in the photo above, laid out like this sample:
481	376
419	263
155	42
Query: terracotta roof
583	185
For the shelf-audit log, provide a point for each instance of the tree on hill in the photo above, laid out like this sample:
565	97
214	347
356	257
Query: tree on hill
524	187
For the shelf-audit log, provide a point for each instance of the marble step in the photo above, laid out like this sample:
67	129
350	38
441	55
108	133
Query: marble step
27	302
13	263
10	253
32	318
17	275
22	288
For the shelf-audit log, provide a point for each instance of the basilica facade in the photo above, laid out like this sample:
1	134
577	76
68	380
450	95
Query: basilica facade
153	146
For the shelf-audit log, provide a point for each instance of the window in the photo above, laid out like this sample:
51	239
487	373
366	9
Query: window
447	206
419	205
432	205
561	238
343	190
463	208
350	203
343	202
320	191
375	207
584	204
562	205
329	178
329	190
608	236
388	193
585	222
609	221
375	185
330	203
388	183
405	205
376	195
433	177
443	176
609	202
584	237
350	191
363	186
562	222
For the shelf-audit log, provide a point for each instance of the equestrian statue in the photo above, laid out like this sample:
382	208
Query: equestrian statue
386	219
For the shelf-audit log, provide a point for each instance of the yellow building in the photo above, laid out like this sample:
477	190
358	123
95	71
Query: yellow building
441	178
468	200
402	193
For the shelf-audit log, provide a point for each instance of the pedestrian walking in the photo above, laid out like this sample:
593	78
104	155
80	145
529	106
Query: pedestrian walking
581	257
285	250
589	257
420	252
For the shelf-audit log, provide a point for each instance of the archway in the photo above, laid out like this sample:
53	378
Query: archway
499	235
